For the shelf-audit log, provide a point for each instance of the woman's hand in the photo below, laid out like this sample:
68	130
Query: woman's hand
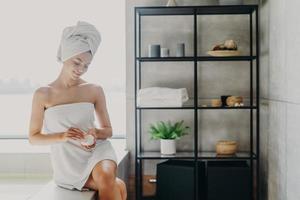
73	134
92	132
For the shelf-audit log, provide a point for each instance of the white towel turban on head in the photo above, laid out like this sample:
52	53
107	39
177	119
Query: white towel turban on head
78	39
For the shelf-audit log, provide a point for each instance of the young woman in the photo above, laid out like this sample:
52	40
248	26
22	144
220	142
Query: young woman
63	117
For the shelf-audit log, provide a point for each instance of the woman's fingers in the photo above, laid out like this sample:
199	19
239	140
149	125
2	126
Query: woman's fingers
75	135
75	138
92	132
88	147
77	131
92	146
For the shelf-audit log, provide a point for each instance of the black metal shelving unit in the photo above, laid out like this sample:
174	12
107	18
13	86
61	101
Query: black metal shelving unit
253	155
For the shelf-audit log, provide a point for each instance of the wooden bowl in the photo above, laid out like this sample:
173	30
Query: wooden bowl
216	103
226	147
224	53
232	100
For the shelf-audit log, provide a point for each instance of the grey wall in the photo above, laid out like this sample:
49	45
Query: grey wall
280	96
283	100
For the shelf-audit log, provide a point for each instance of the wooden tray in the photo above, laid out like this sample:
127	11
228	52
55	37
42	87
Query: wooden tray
224	53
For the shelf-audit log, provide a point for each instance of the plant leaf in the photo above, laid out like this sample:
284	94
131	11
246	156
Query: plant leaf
167	130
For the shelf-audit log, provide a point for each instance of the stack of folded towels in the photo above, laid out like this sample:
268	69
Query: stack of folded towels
162	97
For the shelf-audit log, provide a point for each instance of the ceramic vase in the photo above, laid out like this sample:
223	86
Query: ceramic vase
167	147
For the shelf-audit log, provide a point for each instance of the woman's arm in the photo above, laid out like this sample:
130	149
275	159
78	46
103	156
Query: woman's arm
105	130
36	120
36	137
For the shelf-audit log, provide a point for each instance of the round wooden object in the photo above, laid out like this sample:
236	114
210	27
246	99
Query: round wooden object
226	147
216	103
232	100
224	53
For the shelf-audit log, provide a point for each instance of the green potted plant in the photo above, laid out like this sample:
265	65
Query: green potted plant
167	133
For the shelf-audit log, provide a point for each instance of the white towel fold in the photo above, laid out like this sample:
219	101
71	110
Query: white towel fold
162	97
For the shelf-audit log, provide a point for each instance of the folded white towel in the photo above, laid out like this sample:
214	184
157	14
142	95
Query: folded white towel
162	97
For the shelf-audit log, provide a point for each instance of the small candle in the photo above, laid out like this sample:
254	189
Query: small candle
180	50
164	52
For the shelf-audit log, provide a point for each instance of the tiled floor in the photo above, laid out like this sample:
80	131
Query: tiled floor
20	188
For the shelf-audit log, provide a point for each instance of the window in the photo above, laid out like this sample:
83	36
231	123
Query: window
30	35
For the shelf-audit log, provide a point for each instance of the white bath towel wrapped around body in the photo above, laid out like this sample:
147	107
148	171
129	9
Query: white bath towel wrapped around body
162	97
71	163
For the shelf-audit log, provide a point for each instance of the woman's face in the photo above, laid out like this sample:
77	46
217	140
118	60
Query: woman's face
77	65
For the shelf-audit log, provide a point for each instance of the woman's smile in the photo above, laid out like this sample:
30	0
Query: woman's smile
76	74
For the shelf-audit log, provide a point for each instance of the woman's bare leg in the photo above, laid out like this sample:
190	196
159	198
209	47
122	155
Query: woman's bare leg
90	183
103	180
122	188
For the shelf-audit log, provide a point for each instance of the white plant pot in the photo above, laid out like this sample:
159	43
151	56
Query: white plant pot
167	147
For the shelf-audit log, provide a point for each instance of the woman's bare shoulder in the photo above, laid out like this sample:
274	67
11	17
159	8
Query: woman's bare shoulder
92	86
42	93
96	90
43	90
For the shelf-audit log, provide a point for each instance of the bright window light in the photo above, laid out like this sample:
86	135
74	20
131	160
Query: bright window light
30	35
